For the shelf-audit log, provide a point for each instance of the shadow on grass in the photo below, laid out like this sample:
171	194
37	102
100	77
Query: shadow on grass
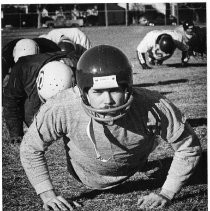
189	195
155	180
197	122
165	93
179	65
161	83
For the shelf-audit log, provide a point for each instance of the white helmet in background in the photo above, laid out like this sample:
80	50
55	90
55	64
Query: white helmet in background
25	47
54	77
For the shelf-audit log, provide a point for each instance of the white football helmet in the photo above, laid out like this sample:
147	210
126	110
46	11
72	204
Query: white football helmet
54	77
25	47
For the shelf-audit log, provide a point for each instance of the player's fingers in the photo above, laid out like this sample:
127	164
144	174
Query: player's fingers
61	206
140	201
155	204
163	203
65	202
77	204
53	206
145	204
159	204
45	207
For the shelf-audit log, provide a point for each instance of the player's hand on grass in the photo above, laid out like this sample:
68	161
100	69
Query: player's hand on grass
184	64
152	201
185	61
57	203
145	66
159	62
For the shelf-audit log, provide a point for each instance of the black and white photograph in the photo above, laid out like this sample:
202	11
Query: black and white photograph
104	106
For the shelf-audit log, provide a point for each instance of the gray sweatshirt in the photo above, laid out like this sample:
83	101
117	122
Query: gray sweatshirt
103	156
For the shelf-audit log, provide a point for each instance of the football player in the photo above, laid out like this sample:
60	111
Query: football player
75	35
194	36
17	48
160	45
109	129
33	80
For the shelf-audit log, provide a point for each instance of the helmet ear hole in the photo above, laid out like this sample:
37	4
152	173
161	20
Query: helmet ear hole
126	96
128	93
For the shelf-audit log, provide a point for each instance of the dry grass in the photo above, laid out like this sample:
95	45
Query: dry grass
186	87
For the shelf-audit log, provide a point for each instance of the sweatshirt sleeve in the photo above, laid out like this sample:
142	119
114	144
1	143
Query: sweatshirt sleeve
82	41
48	126
179	41
32	152
185	143
147	42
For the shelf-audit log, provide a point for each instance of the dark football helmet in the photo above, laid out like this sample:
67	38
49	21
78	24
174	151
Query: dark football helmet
188	25
166	43
104	67
67	45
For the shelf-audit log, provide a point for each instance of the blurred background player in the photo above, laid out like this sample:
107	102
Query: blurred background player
33	80
73	34
194	36
198	44
160	45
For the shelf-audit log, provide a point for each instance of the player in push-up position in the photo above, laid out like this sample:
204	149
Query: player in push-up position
160	45
20	47
109	129
73	35
195	37
33	80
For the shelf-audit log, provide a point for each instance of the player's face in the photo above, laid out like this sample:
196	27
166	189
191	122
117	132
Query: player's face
189	31
106	98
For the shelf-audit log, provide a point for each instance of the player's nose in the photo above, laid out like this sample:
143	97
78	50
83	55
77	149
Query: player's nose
107	98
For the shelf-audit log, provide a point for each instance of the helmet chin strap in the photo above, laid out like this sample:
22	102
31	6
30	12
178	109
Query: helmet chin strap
92	112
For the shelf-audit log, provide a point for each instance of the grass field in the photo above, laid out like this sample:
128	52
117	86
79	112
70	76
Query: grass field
186	87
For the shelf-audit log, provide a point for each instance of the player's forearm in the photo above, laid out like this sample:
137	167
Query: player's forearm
187	155
14	122
47	195
185	57
142	60
15	127
141	57
13	99
35	167
13	115
33	160
179	173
